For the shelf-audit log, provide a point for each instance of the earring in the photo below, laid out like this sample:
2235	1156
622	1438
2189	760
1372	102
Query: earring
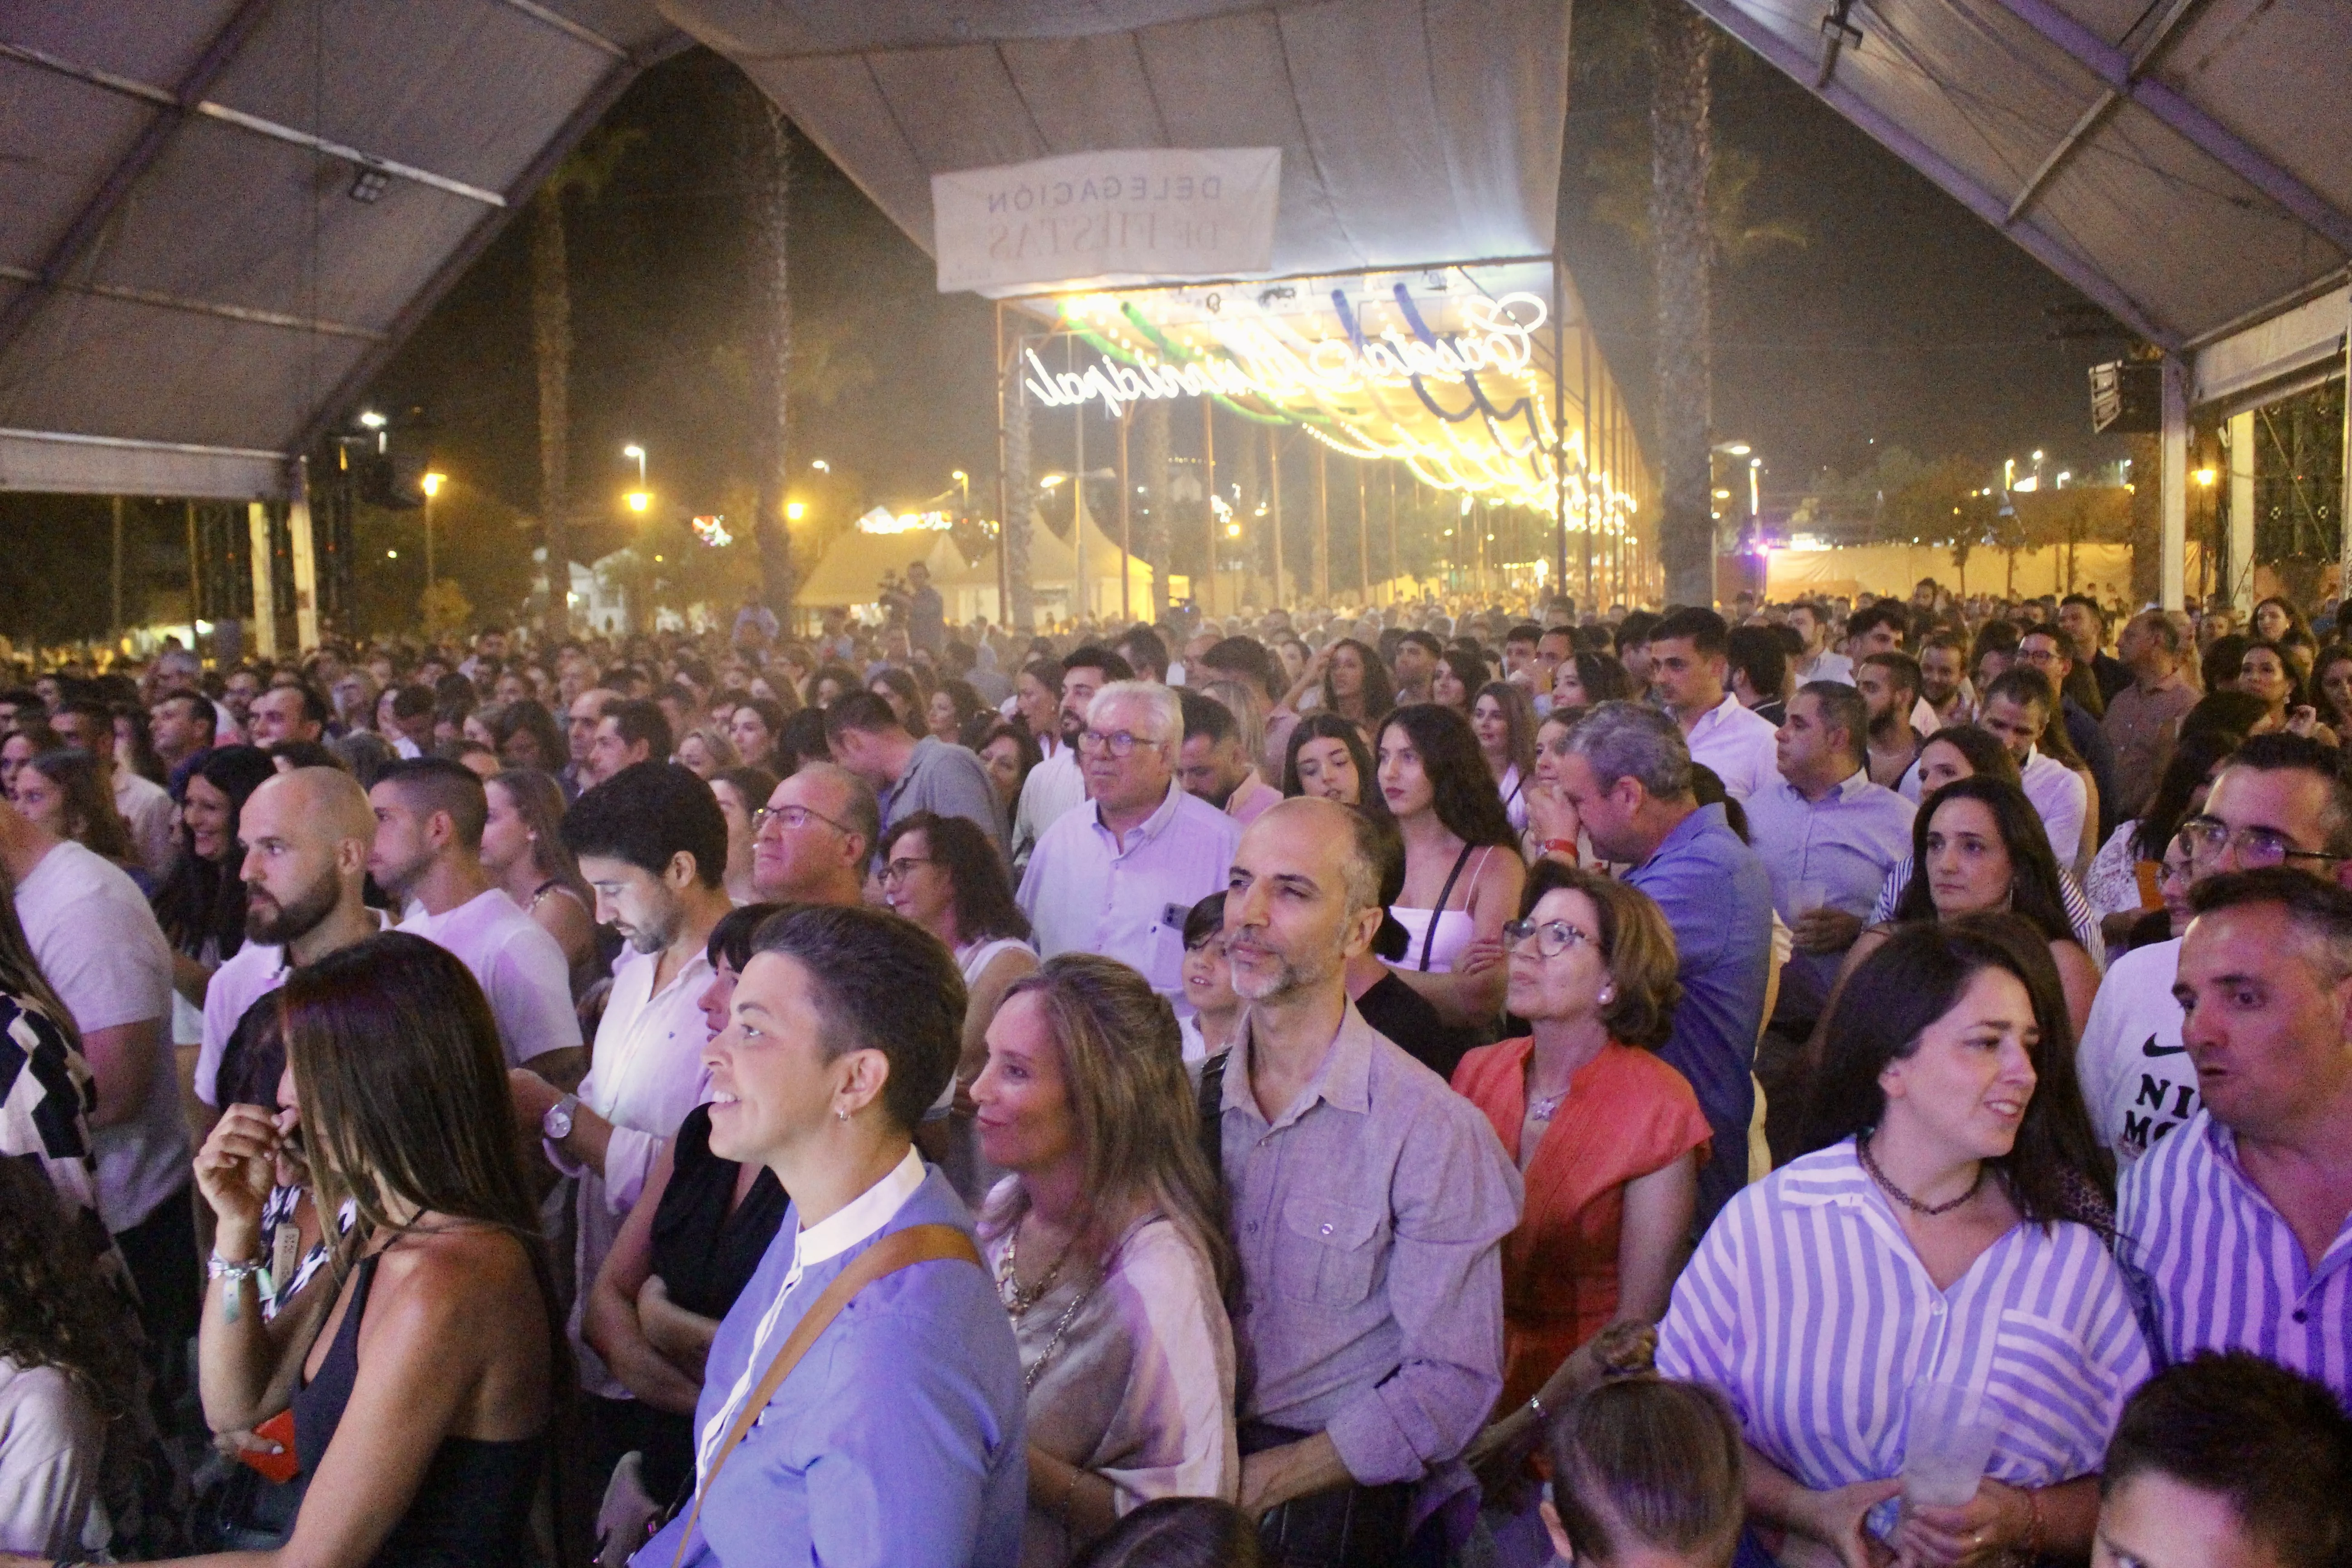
1608	994
839	1114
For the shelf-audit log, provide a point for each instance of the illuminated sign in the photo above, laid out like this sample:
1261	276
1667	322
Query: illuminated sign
881	519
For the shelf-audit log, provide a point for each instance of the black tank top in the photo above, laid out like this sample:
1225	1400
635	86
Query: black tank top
474	1505
704	1252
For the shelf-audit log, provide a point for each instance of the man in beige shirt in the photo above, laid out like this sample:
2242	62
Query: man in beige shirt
2143	717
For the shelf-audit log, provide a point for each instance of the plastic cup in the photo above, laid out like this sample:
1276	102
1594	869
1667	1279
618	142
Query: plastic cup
1807	896
1946	1444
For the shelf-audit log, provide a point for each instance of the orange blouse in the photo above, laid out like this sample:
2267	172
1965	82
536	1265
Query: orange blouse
1627	1115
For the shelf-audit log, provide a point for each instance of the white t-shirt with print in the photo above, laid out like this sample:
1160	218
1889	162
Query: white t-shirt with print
2138	1083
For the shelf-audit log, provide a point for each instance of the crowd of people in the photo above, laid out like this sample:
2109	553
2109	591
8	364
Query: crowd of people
1441	1084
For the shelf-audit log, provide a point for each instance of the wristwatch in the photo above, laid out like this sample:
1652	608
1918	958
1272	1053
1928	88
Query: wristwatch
556	1125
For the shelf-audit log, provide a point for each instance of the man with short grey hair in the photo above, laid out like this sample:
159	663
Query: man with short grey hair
1118	875
1628	774
1368	1205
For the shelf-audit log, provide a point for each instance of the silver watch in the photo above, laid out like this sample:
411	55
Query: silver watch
556	1125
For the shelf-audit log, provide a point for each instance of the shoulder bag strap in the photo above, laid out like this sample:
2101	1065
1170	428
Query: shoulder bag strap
900	1250
1212	1113
1429	937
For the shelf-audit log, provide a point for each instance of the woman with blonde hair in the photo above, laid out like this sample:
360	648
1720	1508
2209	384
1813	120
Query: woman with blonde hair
523	851
1109	1246
706	753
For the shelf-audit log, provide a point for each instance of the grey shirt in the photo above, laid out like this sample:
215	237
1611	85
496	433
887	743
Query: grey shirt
947	781
1369	1220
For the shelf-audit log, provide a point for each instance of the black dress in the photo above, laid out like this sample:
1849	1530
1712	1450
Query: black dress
474	1504
705	1253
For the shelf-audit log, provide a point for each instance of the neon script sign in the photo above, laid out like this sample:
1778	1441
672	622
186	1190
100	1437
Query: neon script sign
1257	362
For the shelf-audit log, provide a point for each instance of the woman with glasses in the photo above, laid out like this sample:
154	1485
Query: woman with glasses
1607	1137
1215	1023
1980	848
944	874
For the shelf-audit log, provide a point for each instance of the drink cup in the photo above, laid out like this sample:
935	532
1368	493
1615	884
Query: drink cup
1947	1443
1807	896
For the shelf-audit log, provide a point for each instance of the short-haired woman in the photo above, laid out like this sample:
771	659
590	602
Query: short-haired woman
687	1248
1941	1230
1327	758
1463	871
1608	1138
1983	849
423	1406
1504	718
896	1438
1109	1250
707	751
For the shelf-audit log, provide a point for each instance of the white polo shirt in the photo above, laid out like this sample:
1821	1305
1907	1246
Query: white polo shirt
1738	744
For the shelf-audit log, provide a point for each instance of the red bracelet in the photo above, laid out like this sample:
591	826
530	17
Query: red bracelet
1562	846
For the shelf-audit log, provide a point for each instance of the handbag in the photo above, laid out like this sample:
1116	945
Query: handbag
900	1250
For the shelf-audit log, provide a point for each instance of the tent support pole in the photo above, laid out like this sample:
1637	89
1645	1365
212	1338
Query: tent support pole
2172	491
1003	505
2238	564
1363	539
1209	496
305	559
1126	523
2344	568
265	596
196	581
1273	495
1558	433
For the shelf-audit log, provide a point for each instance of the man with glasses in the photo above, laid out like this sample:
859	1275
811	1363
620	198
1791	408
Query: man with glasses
2277	803
810	843
1118	875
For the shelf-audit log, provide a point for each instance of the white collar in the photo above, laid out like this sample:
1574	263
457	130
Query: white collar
858	1218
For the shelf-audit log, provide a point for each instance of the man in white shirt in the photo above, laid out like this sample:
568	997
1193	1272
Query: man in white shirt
1118	875
1688	669
651	841
1811	620
2277	801
411	733
306	834
1057	785
2017	709
98	946
428	855
145	807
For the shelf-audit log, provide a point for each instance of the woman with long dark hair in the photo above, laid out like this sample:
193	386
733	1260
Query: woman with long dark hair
2266	670
530	738
1945	1228
201	905
2123	884
1463	871
1354	683
1327	757
423	1404
1461	673
1110	1253
1586	678
756	724
1978	849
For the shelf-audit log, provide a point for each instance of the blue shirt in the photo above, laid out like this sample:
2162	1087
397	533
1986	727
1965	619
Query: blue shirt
1718	896
1845	844
899	1438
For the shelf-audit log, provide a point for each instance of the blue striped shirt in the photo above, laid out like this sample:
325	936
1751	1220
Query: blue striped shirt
2217	1266
1807	1306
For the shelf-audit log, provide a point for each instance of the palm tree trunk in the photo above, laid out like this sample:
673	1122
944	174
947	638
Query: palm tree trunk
551	324
1681	156
1152	542
767	154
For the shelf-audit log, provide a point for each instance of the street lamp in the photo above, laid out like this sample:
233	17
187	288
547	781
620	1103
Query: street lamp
431	485
639	501
822	467
633	450
794	511
963	482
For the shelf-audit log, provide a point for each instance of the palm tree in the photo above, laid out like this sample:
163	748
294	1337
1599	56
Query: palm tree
1681	158
586	172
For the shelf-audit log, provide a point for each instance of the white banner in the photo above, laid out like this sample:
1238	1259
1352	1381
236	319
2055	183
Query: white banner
1149	215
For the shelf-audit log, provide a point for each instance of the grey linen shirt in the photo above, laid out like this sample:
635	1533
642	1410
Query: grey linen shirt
947	781
1369	1220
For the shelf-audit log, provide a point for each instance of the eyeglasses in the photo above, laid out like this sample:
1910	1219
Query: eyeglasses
1552	937
899	870
1119	742
2208	836
793	817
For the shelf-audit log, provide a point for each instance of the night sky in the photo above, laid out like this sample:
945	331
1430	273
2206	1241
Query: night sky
1904	320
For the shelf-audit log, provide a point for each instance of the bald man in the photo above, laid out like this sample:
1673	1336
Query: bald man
305	834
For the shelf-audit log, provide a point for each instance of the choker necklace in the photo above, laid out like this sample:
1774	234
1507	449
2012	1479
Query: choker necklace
1869	1163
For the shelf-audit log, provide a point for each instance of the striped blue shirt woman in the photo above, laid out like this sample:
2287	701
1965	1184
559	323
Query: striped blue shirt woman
1807	1306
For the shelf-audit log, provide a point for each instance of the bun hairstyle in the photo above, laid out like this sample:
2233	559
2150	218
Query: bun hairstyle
1639	1460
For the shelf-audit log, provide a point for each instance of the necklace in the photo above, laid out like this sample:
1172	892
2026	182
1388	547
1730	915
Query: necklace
1547	1108
1017	1300
1870	1163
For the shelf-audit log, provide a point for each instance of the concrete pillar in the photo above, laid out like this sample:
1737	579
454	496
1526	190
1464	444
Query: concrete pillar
306	562
2172	483
2240	559
265	603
